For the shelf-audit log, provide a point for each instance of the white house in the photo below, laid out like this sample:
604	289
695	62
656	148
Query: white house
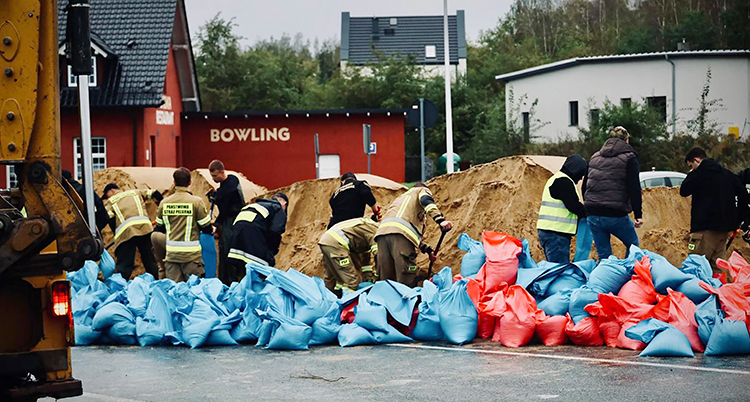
569	93
363	39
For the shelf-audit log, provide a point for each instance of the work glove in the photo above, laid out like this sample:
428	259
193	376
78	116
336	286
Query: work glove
378	213
211	195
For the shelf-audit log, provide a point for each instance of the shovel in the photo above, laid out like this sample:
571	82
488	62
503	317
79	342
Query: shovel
433	253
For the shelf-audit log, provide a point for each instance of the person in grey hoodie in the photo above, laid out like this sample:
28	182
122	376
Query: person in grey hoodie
612	191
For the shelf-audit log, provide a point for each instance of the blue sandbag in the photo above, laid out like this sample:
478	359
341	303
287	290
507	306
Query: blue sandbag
579	299
106	264
309	302
372	317
116	282
663	339
138	294
584	239
728	337
443	279
220	335
392	336
458	316
706	315
692	289
248	329
664	274
198	324
266	330
428	322
325	330
472	261
157	320
398	299
84	277
570	279
122	333
524	259
610	275
699	267
353	335
111	314
85	335
557	304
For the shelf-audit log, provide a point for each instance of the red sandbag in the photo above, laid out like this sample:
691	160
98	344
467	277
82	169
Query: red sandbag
517	325
640	288
678	310
501	265
609	331
585	333
737	267
734	299
551	329
617	308
623	342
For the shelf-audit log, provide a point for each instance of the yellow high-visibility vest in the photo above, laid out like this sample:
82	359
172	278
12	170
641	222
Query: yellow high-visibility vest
553	215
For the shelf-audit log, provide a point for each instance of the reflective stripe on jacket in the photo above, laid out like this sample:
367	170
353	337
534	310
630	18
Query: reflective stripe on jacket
129	211
183	215
354	235
407	213
552	213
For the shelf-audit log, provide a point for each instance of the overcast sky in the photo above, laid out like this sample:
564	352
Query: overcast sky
321	19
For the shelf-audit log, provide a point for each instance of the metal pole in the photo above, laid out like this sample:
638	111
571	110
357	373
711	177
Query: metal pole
421	138
86	161
674	97
448	106
368	164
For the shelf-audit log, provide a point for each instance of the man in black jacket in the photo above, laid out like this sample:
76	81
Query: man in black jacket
256	233
349	200
230	200
719	205
613	190
560	210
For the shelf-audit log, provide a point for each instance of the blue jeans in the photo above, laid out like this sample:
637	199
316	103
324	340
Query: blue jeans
604	226
556	246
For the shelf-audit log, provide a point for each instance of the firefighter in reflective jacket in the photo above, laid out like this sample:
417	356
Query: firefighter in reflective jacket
398	238
338	244
256	233
132	227
182	216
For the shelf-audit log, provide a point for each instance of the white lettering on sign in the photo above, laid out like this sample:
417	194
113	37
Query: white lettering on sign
164	117
251	134
167	105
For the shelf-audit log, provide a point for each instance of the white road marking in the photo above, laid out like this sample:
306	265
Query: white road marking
109	398
578	358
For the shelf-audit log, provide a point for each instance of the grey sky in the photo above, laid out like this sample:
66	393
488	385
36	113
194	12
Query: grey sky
258	20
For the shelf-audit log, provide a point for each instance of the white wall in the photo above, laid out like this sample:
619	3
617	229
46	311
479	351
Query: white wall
431	70
592	84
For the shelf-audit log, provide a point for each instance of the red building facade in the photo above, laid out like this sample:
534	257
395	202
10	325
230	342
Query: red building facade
276	149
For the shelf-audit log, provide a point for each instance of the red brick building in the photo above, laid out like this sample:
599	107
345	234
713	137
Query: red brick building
144	78
275	149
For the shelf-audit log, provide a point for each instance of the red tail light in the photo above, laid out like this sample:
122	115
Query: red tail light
61	299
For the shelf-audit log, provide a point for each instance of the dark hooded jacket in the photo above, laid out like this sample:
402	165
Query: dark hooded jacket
562	189
720	200
612	185
260	237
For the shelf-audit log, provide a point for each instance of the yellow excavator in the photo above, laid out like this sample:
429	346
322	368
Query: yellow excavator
43	233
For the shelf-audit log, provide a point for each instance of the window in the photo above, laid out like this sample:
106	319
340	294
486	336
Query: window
573	113
98	155
394	21
73	79
430	51
653	182
594	117
674	181
526	127
389	32
625	102
658	103
11	178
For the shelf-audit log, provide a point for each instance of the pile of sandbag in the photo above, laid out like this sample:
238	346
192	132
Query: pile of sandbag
641	302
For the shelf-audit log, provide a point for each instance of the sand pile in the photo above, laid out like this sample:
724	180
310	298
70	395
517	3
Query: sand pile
309	213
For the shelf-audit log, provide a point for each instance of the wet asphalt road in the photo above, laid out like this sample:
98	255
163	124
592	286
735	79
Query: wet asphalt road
414	372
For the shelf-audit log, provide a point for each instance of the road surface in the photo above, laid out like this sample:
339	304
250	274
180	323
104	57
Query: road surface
482	371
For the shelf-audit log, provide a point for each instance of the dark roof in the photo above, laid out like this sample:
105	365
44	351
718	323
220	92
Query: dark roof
138	32
408	37
618	58
308	113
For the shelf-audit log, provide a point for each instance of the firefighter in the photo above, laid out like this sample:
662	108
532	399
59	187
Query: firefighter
349	200
398	238
131	226
338	244
229	199
256	233
182	216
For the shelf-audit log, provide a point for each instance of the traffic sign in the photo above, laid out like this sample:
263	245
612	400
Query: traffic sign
430	113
